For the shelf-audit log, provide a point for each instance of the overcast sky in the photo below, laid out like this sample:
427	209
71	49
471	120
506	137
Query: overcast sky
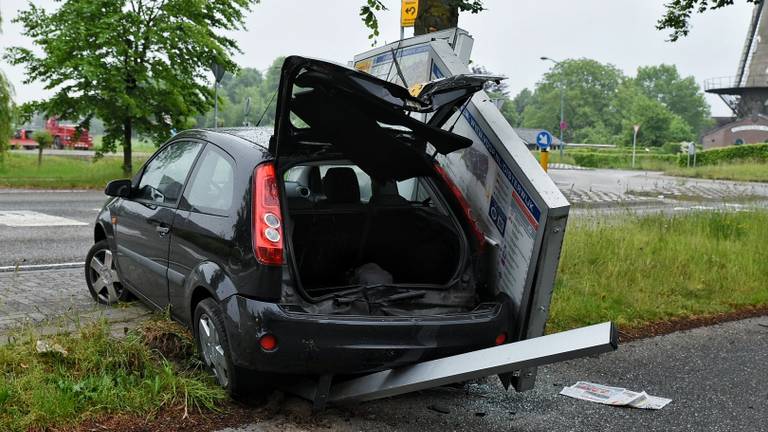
509	37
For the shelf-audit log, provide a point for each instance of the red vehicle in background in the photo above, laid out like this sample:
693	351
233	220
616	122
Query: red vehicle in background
23	138
64	136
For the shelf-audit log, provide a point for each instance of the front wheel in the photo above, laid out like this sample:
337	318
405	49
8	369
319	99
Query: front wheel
102	277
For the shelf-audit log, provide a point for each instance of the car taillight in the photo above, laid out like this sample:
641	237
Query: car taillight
464	206
267	219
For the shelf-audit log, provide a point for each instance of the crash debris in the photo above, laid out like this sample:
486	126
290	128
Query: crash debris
616	396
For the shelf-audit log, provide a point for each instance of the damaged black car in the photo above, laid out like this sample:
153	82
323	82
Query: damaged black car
334	244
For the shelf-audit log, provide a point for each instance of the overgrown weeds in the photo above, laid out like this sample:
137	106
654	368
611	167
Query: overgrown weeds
101	374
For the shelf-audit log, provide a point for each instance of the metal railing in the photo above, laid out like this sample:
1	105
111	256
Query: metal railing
734	82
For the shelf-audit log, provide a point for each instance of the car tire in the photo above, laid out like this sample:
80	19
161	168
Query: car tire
102	277
213	347
57	143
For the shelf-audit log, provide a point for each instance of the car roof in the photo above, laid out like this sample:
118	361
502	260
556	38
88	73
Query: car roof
254	135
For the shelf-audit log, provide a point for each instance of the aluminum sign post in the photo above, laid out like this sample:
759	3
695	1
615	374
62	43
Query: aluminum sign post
514	201
567	345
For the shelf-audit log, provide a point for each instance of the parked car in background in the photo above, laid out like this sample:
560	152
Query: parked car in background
333	244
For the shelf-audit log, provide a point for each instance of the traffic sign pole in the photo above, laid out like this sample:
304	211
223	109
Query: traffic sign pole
544	140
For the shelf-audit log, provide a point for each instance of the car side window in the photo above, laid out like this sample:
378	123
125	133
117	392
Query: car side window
163	178
212	185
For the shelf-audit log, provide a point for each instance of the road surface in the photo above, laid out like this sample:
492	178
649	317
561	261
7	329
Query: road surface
68	240
62	239
715	376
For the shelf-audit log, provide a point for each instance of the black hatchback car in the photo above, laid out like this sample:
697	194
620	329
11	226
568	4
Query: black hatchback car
333	244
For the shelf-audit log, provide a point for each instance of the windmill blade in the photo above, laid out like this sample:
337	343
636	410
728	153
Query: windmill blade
748	42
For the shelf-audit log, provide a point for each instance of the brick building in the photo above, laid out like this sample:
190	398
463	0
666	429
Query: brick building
749	130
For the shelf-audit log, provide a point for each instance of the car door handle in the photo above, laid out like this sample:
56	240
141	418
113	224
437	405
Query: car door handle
162	230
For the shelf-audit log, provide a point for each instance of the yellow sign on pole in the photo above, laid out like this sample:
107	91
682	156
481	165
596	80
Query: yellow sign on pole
408	13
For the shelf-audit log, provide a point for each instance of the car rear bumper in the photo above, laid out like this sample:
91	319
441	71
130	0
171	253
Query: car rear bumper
313	344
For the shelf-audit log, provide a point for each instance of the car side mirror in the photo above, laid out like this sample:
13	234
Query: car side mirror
119	188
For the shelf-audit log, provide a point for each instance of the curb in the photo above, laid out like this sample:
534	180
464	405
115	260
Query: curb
33	267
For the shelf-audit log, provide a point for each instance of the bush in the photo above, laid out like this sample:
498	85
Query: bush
619	160
752	152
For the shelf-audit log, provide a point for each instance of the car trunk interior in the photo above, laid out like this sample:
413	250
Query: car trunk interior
367	243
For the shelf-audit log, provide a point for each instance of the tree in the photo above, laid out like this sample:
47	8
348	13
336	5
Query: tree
238	87
44	139
139	65
658	124
678	14
589	90
433	15
602	105
682	96
6	111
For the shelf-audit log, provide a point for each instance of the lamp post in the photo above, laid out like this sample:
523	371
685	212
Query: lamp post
562	106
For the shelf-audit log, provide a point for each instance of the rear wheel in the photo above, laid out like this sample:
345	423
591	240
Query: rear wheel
102	277
213	345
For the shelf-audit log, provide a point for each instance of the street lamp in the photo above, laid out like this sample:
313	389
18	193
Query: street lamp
562	106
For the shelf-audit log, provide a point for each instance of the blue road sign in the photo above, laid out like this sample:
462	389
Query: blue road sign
544	140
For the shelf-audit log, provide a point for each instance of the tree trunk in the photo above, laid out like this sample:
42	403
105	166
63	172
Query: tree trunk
436	15
127	156
39	155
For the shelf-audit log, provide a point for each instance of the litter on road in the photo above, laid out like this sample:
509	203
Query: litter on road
615	396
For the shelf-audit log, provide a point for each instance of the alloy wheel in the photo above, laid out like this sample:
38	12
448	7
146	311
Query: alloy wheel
213	352
104	278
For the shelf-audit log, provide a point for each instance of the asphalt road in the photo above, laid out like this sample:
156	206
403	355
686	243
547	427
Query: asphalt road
608	191
54	243
716	377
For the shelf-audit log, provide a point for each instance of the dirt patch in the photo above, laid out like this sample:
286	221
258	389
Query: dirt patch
275	412
678	324
170	420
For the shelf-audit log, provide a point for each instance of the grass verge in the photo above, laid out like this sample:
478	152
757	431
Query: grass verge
57	172
747	171
646	269
91	374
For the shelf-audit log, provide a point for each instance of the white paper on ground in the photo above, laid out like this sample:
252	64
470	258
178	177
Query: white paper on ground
616	396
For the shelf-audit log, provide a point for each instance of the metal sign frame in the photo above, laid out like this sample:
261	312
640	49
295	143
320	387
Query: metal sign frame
533	188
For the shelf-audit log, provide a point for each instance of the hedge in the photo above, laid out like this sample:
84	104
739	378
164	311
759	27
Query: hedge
754	152
614	160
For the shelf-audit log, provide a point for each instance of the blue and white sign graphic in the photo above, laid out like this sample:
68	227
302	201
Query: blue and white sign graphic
544	140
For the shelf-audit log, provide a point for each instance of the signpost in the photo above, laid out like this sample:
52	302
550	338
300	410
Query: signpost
634	143
409	10
218	75
691	153
544	141
247	111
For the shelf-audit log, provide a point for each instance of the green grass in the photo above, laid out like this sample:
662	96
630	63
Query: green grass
99	375
58	172
137	145
643	269
746	171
